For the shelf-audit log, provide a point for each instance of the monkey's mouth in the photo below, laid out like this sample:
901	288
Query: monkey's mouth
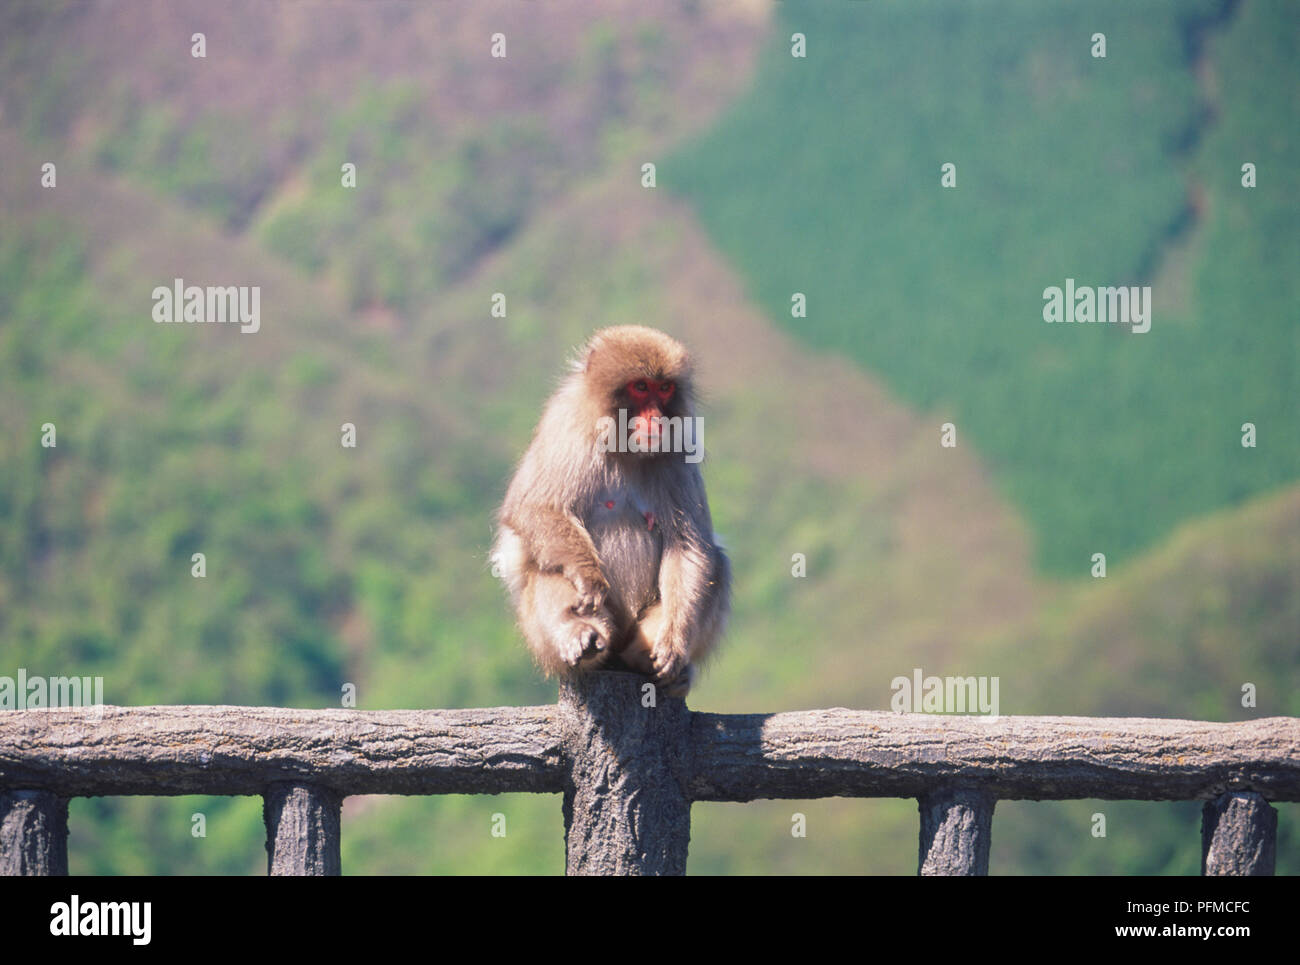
647	431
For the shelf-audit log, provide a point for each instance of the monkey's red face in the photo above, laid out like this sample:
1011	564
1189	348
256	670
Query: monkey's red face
650	399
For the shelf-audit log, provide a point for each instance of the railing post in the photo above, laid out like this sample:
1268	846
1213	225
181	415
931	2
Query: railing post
302	829
956	828
625	806
33	833
1238	835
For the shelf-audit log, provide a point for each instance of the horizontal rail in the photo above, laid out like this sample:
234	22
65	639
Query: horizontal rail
857	753
240	750
628	773
807	754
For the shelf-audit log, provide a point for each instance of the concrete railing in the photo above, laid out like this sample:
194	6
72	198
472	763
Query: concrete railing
630	772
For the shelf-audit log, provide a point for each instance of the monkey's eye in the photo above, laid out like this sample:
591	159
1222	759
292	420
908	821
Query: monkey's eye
642	387
666	390
638	390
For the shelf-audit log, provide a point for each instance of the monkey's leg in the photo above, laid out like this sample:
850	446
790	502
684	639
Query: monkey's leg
560	638
558	542
637	653
695	587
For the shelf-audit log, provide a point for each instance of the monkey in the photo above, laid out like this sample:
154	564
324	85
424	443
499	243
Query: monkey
604	539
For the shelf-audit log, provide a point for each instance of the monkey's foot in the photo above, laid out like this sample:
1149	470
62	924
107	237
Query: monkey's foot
680	686
667	665
582	643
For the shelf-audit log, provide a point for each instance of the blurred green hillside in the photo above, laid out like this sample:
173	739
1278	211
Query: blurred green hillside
825	179
328	566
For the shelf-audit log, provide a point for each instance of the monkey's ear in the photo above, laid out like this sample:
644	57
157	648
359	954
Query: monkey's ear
580	361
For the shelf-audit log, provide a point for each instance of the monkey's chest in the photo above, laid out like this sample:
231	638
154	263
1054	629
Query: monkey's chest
628	539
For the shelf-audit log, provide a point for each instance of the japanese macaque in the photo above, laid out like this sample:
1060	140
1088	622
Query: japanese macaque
604	538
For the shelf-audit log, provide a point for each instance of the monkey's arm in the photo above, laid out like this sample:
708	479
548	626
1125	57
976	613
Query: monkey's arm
694	591
557	542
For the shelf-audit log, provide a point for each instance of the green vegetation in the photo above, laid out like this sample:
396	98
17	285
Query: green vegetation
476	190
825	179
302	549
210	163
328	566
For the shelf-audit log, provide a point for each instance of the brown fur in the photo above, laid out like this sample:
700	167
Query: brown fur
594	584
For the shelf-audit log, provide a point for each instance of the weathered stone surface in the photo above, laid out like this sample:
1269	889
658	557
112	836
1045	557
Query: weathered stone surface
33	833
956	829
1238	835
242	750
625	806
302	830
629	772
862	753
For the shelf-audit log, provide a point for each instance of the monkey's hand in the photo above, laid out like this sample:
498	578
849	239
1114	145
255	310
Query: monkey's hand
590	585
585	642
668	659
558	543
